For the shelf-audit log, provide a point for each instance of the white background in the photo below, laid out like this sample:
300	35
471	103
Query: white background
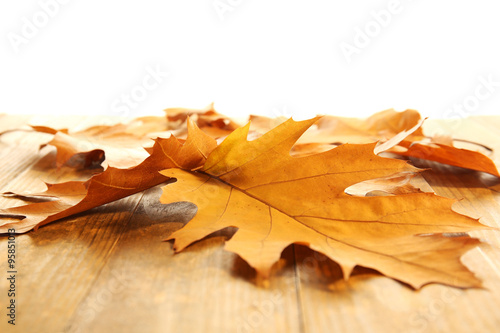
249	56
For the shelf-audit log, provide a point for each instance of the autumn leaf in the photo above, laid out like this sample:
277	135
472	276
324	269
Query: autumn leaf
330	131
395	184
208	119
450	155
119	145
338	130
112	184
276	200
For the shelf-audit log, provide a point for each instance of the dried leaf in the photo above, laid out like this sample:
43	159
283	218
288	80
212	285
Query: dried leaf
331	131
337	130
276	200
210	121
395	184
118	145
112	184
450	155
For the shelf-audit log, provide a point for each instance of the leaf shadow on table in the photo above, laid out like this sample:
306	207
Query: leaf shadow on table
319	271
456	176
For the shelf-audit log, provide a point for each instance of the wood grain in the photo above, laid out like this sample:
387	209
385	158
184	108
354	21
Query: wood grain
109	270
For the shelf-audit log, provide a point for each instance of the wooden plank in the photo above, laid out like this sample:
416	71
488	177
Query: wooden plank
202	289
59	263
108	269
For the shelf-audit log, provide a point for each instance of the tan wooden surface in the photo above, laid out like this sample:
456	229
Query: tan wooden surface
107	270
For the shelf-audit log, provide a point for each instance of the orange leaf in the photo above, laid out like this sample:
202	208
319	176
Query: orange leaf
210	121
112	184
331	131
450	155
337	130
120	144
276	200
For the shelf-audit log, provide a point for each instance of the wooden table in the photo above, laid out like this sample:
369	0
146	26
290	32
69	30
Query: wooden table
108	270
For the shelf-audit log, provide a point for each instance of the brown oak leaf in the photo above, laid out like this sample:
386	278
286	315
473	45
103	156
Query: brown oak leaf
276	200
330	131
446	154
208	119
112	184
119	145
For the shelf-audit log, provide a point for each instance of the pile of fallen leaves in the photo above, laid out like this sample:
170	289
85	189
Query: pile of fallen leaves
320	182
